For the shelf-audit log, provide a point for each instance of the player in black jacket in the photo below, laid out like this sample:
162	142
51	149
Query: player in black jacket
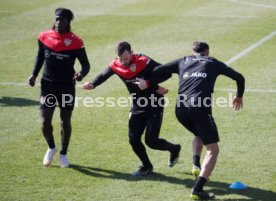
58	49
146	112
197	76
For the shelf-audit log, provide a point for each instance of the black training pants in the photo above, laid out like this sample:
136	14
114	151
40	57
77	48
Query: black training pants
151	121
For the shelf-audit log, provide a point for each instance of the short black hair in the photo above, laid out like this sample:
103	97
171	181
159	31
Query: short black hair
66	13
200	46
122	47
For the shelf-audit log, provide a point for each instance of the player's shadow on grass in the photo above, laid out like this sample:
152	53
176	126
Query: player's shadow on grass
111	174
219	188
15	101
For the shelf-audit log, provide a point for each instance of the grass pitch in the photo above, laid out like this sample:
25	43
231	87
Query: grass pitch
100	156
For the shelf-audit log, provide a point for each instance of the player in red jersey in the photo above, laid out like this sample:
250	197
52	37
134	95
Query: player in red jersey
58	49
147	105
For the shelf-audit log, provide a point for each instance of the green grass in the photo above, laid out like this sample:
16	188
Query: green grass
100	155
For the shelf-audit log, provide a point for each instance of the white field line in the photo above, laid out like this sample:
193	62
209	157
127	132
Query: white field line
7	11
13	83
249	90
224	16
233	59
244	52
254	4
216	89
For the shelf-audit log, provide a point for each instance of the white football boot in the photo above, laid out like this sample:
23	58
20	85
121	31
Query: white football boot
49	156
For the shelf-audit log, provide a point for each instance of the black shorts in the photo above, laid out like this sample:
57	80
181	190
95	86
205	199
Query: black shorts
200	122
53	94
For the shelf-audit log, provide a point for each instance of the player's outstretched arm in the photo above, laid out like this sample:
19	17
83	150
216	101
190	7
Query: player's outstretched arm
88	86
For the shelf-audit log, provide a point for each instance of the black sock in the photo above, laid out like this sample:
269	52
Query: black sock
51	143
64	150
200	182
196	160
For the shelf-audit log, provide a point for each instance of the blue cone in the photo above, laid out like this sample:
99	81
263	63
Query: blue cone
238	185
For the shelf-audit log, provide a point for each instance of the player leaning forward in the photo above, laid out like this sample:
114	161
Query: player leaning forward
58	49
147	105
197	76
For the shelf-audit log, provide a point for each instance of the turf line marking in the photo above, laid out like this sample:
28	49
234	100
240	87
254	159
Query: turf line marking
216	89
231	60
244	52
249	90
254	4
13	83
223	16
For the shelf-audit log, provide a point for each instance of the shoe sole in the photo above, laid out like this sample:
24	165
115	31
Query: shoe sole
171	164
47	164
136	174
196	197
140	175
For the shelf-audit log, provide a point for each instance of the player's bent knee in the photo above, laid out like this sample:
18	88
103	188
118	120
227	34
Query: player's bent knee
151	143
